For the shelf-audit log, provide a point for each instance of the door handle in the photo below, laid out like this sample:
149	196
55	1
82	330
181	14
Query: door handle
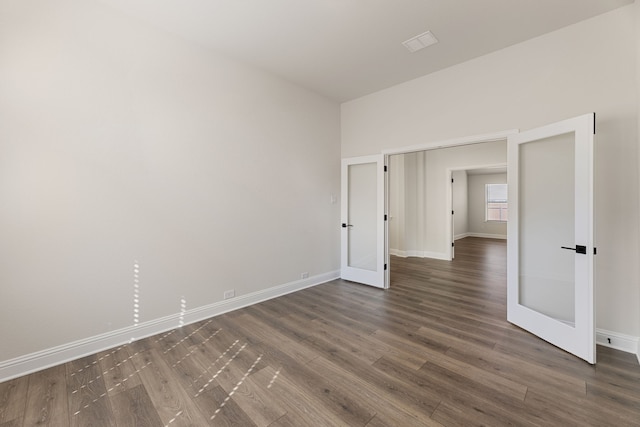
345	225
580	249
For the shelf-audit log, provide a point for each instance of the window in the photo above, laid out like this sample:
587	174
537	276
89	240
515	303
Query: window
496	202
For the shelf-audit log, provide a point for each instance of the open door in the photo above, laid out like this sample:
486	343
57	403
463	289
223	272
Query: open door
550	290
363	221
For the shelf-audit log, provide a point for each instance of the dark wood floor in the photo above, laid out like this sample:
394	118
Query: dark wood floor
435	349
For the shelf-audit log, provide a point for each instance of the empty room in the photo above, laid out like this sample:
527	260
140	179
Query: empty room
319	213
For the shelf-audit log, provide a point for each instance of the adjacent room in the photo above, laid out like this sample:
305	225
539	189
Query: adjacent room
188	189
439	196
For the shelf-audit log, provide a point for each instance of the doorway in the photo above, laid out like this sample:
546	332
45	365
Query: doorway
422	199
479	205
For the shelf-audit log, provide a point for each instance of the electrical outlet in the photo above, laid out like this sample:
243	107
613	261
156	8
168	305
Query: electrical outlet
304	275
229	294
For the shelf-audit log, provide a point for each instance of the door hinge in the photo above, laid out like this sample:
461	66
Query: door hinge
385	266
385	168
594	123
453	212
453	244
385	217
595	250
452	180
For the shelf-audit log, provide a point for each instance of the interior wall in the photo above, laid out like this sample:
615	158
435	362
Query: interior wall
477	206
590	66
396	204
122	144
415	199
637	24
460	203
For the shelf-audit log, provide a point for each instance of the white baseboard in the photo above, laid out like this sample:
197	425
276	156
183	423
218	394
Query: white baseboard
487	236
419	254
40	360
398	253
461	236
626	343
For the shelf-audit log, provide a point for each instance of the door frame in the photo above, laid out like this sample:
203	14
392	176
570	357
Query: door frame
449	197
447	143
455	142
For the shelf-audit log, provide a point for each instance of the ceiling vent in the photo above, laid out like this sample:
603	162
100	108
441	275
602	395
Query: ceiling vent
421	41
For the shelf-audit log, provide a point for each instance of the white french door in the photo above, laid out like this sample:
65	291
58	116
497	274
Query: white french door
363	223
550	290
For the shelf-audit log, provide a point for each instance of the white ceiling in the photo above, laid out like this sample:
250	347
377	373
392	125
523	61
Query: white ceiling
345	49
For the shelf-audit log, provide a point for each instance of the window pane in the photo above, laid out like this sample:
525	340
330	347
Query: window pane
497	202
496	192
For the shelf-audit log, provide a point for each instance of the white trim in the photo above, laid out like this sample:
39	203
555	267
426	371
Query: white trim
419	254
482	235
466	140
618	341
398	253
40	360
487	236
387	214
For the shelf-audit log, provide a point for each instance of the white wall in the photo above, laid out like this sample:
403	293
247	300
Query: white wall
477	206
590	66
119	143
396	204
637	14
415	205
460	203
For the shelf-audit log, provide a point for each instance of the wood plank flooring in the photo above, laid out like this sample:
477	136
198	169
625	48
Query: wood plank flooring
434	350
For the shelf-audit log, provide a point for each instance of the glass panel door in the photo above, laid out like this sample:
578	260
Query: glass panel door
363	220
550	234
